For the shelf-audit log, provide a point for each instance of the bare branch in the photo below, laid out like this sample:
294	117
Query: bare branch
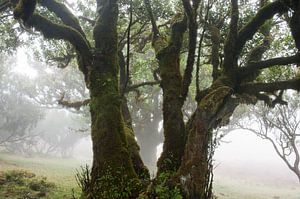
135	86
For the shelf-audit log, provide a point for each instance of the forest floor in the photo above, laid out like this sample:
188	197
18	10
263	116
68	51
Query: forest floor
59	171
62	173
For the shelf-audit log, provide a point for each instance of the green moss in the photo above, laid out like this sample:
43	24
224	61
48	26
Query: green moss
24	184
134	152
113	184
211	103
162	188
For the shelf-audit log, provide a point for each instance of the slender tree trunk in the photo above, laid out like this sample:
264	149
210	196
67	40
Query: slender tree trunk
133	146
173	124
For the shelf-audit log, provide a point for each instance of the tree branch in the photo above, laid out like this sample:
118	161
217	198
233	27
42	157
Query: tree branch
76	105
4	5
128	47
152	19
135	86
90	21
253	67
264	14
252	88
230	57
61	11
52	30
193	27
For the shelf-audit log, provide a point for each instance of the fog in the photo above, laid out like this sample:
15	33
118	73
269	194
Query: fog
59	132
241	155
249	157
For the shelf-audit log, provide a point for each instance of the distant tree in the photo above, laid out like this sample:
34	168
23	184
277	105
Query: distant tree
24	104
279	125
18	113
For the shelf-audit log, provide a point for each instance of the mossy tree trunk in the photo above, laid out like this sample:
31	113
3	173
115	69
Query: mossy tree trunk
173	124
195	171
133	147
112	163
168	55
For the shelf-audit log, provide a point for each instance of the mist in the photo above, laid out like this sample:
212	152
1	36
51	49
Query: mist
45	124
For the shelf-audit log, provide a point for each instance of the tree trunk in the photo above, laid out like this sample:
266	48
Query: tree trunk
134	149
213	110
111	155
173	124
195	175
113	175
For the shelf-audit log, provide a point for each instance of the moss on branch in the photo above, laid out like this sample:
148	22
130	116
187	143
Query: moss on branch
52	30
264	14
63	13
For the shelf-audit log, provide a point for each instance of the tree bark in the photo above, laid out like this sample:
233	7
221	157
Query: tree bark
173	124
194	171
112	171
213	110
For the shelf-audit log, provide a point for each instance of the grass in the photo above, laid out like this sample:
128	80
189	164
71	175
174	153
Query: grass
237	188
59	171
62	173
24	184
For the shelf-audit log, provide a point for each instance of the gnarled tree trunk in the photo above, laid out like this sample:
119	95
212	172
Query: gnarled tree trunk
112	172
213	110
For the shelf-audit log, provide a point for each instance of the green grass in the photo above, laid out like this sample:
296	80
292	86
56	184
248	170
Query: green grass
59	171
62	173
244	189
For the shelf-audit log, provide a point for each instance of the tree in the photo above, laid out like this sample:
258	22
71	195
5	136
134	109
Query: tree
234	82
278	125
99	64
235	64
19	114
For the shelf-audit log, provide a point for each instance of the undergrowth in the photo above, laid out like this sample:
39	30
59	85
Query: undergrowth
24	185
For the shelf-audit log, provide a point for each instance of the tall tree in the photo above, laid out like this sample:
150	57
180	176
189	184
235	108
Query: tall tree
99	64
234	81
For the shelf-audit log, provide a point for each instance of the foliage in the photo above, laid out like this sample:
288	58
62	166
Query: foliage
18	113
162	188
108	186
